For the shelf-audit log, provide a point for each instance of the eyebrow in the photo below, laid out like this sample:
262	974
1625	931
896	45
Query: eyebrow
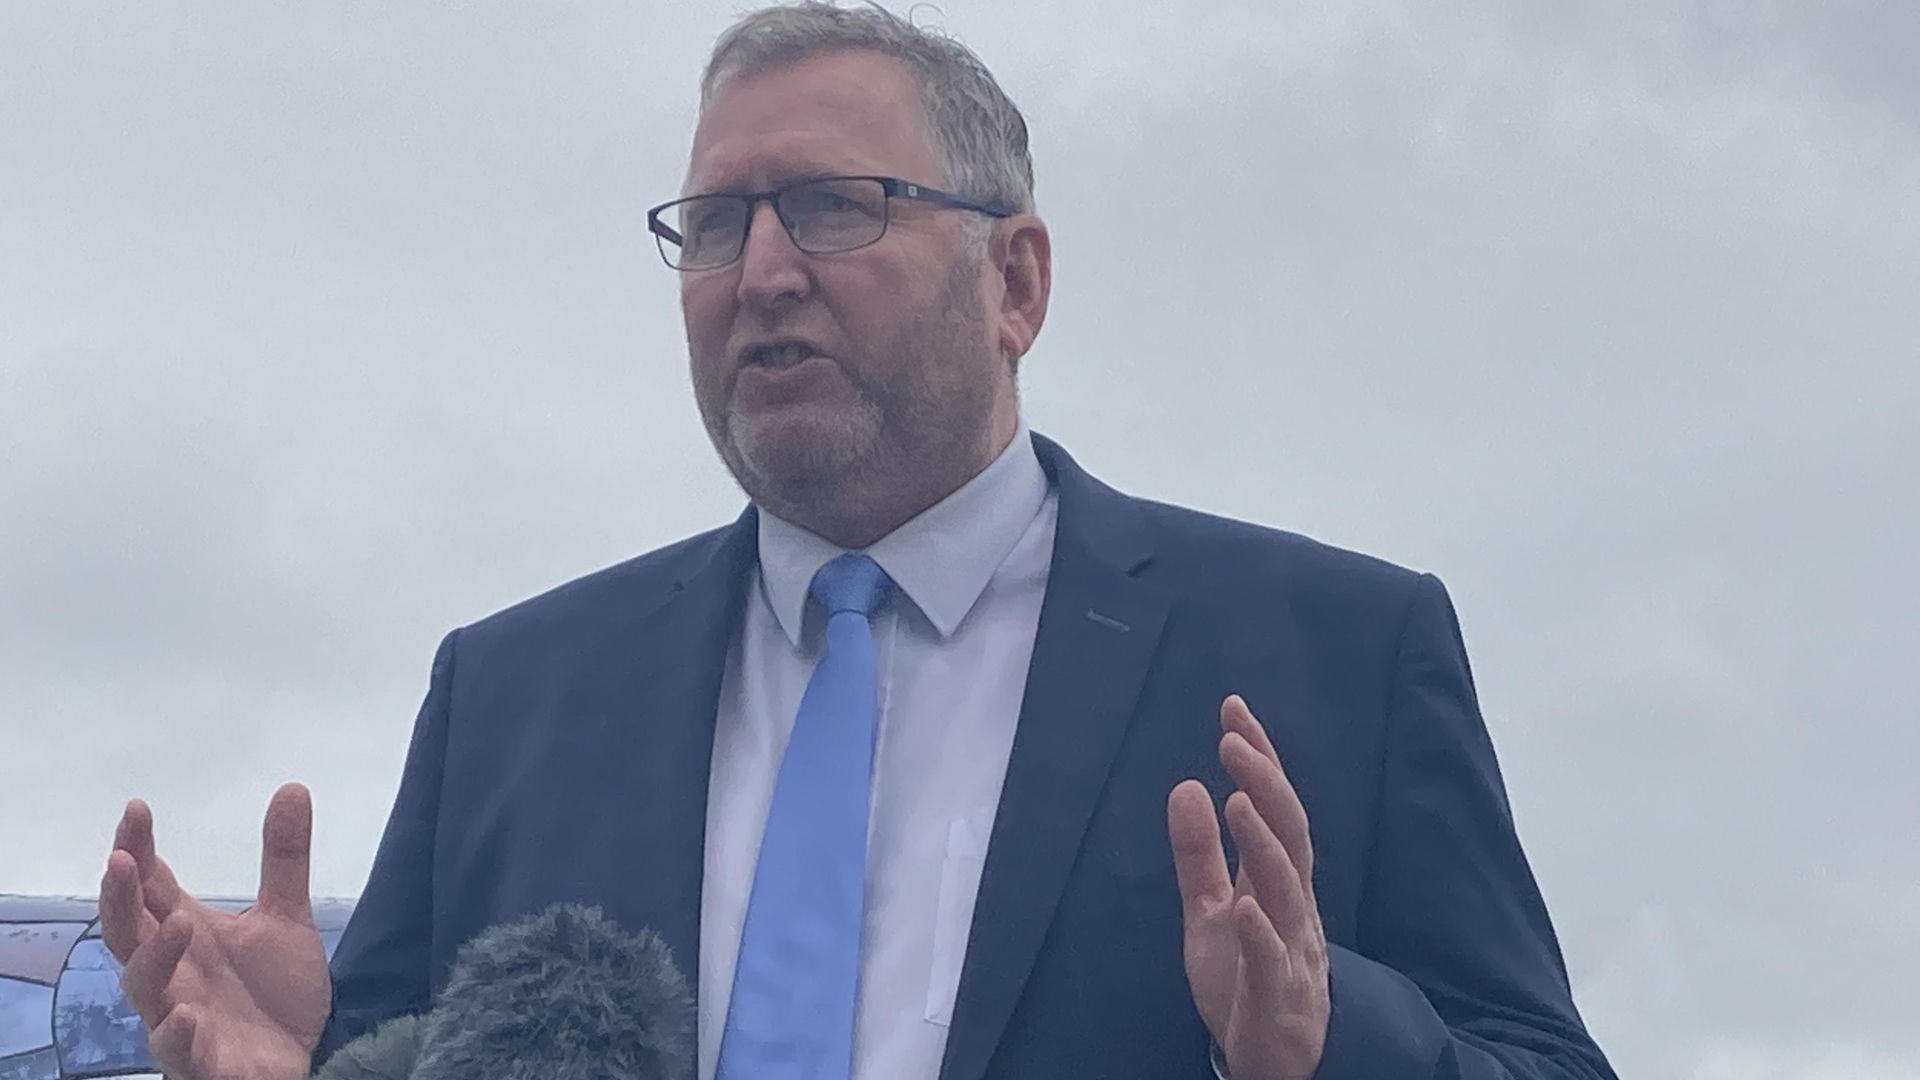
781	179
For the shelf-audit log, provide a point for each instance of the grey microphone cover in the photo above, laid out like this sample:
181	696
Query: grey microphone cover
562	995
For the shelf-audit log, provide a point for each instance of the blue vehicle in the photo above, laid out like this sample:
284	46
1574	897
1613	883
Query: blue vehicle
61	1011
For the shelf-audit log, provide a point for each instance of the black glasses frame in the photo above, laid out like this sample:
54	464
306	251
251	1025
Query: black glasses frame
892	186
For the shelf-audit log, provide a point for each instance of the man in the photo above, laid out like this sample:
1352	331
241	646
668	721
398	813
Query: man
917	765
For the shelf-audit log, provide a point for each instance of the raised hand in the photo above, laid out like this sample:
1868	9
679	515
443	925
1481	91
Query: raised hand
224	996
1256	954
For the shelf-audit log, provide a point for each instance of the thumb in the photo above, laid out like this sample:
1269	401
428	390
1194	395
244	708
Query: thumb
286	842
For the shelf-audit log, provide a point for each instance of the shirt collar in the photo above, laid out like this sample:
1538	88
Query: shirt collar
942	559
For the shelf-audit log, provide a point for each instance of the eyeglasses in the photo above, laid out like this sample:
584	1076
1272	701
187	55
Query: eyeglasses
823	216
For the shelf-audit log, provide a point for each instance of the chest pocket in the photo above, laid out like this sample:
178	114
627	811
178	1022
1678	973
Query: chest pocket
959	887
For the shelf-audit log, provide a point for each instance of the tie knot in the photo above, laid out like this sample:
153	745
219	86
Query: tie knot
852	582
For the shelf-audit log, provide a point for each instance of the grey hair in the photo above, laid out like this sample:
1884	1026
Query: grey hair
976	129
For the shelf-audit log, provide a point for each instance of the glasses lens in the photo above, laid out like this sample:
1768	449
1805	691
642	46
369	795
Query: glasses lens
711	228
835	215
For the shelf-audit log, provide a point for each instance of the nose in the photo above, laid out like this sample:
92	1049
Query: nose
772	270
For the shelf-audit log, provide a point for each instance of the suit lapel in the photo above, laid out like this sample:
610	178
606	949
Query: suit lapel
680	650
1099	630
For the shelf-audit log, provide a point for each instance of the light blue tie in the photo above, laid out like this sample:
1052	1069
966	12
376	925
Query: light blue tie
791	1014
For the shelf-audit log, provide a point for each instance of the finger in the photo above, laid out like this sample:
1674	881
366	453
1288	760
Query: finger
125	921
1266	970
159	890
1273	796
1265	862
1199	860
171	1042
135	832
286	842
147	978
1236	716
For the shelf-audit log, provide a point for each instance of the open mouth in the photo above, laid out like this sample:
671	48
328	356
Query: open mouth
786	354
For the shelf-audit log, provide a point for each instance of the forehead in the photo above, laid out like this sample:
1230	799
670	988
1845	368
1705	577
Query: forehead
839	112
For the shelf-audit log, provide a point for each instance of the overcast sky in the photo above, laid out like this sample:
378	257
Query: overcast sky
325	328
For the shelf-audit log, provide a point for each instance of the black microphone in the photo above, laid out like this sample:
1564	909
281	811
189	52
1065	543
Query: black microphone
561	995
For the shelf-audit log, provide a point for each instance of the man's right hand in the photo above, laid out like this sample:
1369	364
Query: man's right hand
224	996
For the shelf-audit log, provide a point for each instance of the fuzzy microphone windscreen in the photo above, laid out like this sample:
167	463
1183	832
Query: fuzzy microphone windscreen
562	995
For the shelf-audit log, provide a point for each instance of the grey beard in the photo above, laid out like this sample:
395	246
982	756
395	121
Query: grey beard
767	471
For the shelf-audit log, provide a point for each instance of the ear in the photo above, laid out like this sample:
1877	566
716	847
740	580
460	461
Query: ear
1022	252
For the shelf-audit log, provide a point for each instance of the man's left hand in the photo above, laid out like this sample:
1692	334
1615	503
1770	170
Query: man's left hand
1256	953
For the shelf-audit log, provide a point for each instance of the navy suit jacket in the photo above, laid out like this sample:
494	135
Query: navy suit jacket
562	755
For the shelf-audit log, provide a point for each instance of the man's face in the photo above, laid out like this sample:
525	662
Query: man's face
892	367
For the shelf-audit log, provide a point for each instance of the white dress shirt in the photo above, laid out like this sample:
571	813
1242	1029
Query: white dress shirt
952	651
